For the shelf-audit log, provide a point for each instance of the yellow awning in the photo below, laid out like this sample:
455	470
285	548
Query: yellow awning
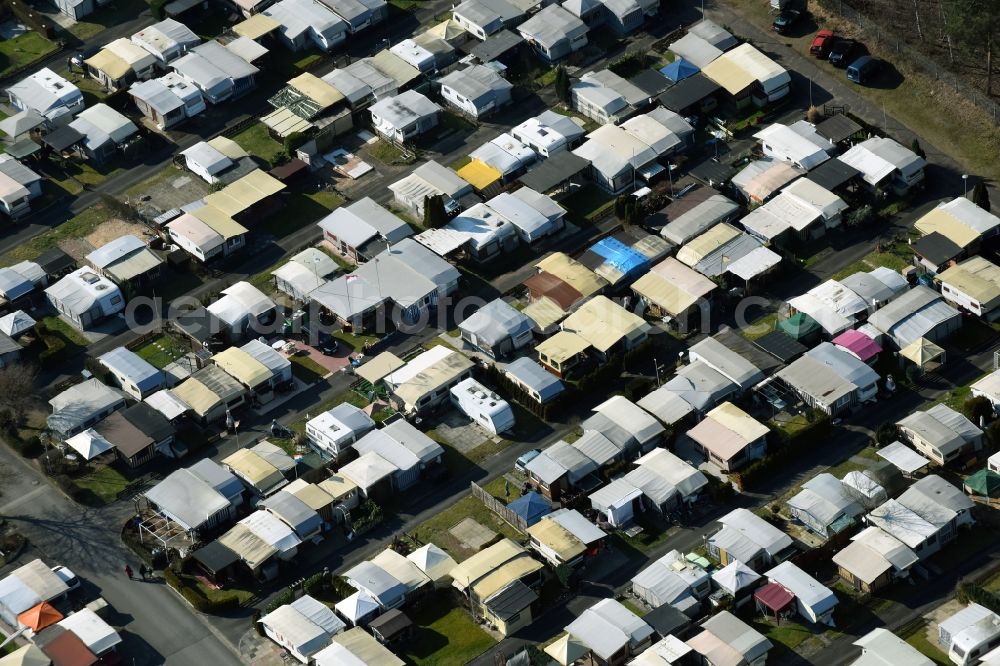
479	174
700	247
735	419
377	368
562	346
243	367
947	225
729	73
505	575
977	277
255	469
553	535
109	63
244	193
573	273
337	486
311	495
227	147
196	395
603	323
256	26
544	312
664	294
316	89
484	562
284	122
219	222
251	548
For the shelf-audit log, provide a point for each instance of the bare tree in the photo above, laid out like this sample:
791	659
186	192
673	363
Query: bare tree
17	385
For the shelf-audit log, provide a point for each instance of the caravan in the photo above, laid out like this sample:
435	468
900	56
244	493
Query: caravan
483	406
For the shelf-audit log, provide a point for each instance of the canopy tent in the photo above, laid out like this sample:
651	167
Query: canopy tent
357	607
29	655
375	369
679	70
734	577
532	507
433	561
89	444
41	616
800	326
923	353
566	650
774	598
984	483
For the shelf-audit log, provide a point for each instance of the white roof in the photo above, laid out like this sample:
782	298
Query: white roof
668	579
41	579
15	323
883	648
679	473
825	314
809	591
754	263
272	530
903	457
168	404
187	498
95	633
607	627
902	523
786	144
89	444
576	524
758	530
110	122
299	16
238	301
617	493
695	49
735	576
358	605
81	289
367	470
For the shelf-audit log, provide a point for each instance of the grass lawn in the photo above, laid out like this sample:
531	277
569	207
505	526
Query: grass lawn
163	350
355	342
307	369
971	135
216	595
790	426
445	635
498	486
300	210
7	649
76	227
547	78
343	263
788	634
74	175
23	49
405	5
653	534
111	15
307	61
390	153
589	125
435	530
59	326
634	607
918	639
93	91
256	141
105	482
460	162
587	203
453	121
761	326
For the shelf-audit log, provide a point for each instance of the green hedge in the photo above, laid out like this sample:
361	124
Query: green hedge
967	591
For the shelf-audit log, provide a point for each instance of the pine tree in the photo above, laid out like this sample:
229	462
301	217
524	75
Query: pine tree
562	85
981	196
435	216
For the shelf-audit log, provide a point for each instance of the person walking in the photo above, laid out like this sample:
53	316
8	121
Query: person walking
142	571
128	571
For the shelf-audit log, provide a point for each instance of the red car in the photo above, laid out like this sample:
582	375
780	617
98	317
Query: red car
821	43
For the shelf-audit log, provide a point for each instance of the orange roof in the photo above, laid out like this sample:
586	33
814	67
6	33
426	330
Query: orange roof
41	616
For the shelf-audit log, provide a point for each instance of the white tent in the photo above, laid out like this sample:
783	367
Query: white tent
566	650
16	323
95	633
432	561
89	444
357	606
734	577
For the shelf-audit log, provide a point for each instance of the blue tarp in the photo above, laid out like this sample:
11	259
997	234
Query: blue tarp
532	507
679	70
623	258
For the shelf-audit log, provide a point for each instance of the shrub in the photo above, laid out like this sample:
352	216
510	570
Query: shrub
993	433
281	599
978	409
157	8
255	623
314	584
886	433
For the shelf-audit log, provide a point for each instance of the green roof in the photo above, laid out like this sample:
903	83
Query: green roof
985	483
799	326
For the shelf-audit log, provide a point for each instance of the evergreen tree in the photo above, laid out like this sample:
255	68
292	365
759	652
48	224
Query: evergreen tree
562	85
435	216
981	196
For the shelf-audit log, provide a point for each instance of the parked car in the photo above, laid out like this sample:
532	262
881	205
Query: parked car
843	52
784	21
822	43
67	576
863	70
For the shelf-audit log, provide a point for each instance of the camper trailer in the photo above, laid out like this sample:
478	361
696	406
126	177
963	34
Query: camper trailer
483	406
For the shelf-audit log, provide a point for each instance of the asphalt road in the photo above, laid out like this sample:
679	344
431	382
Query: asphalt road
157	626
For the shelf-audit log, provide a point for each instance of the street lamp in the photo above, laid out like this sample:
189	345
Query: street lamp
965	184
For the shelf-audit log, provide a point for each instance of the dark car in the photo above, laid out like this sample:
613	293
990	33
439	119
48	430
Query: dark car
864	69
786	20
822	43
843	52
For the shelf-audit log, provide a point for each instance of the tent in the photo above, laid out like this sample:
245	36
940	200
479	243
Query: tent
41	616
774	598
735	576
923	353
432	561
800	326
566	650
679	70
531	507
357	607
984	483
16	323
89	444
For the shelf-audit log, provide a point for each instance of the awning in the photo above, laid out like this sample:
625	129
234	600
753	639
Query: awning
41	616
651	170
922	352
903	457
379	367
566	650
23	148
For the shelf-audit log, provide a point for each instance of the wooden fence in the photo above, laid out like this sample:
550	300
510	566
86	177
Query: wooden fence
499	508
